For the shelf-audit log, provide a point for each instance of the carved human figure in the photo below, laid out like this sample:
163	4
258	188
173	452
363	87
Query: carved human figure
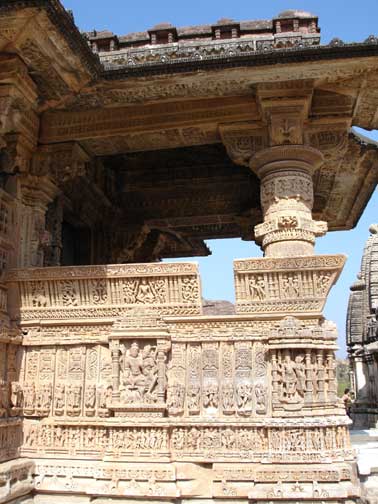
150	368
16	398
228	439
74	400
194	436
45	396
29	399
228	397
257	288
261	398
104	396
176	398
59	399
133	367
289	378
140	374
145	294
323	283
194	399
291	286
31	436
300	371
210	395
372	326
90	400
69	295
244	397
59	436
4	398
178	439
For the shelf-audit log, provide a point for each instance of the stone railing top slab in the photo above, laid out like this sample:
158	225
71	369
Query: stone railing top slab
103	271
293	285
97	292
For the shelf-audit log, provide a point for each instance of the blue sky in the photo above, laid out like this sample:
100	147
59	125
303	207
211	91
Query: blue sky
349	20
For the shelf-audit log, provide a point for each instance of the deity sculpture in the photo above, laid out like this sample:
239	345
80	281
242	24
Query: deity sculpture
289	380
291	286
139	377
145	294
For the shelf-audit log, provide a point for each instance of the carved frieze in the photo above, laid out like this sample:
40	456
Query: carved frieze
290	285
108	291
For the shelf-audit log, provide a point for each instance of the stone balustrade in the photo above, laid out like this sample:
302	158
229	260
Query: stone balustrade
105	291
287	285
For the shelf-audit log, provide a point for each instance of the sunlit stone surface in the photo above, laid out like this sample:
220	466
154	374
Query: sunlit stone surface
117	152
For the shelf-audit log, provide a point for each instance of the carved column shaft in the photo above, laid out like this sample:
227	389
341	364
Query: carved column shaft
320	366
115	369
331	377
275	378
309	388
287	200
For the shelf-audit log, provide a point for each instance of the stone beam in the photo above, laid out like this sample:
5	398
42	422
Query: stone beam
65	126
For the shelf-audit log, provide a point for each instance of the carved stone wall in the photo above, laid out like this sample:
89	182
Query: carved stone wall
113	385
184	405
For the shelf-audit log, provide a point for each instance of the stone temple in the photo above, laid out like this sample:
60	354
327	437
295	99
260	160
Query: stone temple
119	151
362	335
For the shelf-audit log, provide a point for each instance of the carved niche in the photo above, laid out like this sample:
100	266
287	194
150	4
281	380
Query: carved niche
139	348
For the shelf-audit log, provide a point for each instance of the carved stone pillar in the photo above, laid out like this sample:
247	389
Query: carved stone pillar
37	193
309	388
275	378
161	358
287	200
54	220
332	389
115	352
320	367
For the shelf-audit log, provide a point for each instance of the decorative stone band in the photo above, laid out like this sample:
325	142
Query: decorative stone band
285	285
163	480
105	291
293	443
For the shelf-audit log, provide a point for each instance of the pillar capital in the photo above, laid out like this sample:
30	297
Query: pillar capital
301	158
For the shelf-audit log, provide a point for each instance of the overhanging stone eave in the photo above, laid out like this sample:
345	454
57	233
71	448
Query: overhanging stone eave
62	20
262	58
